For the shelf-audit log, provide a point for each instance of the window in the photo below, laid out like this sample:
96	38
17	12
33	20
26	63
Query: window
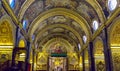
84	39
33	37
95	25
12	3
79	46
25	24
112	4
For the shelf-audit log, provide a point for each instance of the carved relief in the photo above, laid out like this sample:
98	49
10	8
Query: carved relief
6	37
99	47
4	30
116	61
73	60
100	66
115	35
41	61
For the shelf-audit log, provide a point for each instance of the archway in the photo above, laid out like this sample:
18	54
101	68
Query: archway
99	55
21	52
6	42
58	53
115	44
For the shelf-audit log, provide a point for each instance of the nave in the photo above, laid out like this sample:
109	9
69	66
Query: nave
59	35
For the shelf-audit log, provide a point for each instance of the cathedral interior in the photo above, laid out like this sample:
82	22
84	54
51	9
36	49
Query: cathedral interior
59	35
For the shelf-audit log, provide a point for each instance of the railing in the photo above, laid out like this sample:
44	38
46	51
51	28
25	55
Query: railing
58	54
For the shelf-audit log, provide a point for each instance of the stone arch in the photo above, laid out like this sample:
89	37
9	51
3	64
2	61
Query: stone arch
63	26
61	11
114	33
43	39
99	53
6	38
114	40
61	41
7	31
98	45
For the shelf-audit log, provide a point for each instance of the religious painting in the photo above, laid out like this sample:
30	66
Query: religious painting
57	64
57	48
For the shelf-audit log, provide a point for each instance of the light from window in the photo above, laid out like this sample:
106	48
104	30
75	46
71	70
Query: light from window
33	37
112	4
95	25
79	46
84	39
25	23
12	3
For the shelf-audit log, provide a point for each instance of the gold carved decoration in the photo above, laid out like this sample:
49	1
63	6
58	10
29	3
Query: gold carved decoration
116	61
6	37
98	47
21	43
115	44
115	37
99	55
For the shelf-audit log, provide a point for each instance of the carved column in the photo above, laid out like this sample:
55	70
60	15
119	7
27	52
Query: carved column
33	58
16	44
107	51
27	64
83	60
91	57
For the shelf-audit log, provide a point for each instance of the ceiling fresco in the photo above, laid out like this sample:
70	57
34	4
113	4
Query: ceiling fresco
81	7
67	37
38	7
102	3
60	20
34	10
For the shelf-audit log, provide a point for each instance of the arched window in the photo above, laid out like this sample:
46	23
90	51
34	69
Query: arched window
25	24
84	39
33	37
95	25
112	4
79	46
12	3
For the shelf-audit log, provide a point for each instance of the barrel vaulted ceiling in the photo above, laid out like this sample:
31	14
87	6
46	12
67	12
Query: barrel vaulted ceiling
71	20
